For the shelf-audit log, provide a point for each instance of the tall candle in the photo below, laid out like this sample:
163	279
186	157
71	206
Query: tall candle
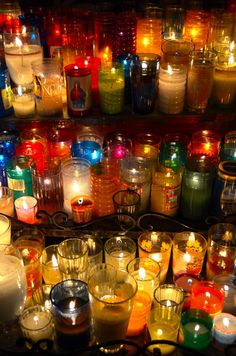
172	86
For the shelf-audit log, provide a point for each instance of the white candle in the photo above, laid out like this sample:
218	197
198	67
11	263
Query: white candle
12	287
26	208
23	103
195	327
36	323
224	328
147	281
172	86
224	86
5	230
19	58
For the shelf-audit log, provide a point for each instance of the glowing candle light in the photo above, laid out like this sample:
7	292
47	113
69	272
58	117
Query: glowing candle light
26	208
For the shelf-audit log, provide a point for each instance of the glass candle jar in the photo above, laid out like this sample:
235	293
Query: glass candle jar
111	86
33	150
6	201
172	87
206	143
189	251
224	189
228	282
176	51
105	182
78	90
118	145
125	59
165	191
19	176
197	185
144	74
89	150
23	101
119	251
173	22
196	27
221	252
75	180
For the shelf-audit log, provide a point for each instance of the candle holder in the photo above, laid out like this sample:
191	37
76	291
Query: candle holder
95	249
72	255
26	208
186	281
196	27
156	245
196	328
221	252
224	330
207	296
176	51
23	101
76	180
126	202
71	311
117	145
82	209
173	22
144	73
189	251
6	201
51	272
41	296
111	87
21	49
197	187
112	295
119	251
89	150
30	241
36	323
228	283
48	86
206	143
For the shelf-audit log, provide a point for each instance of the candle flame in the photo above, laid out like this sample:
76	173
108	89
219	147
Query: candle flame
142	273
231	57
208	295
18	169
72	305
223	253
47	304
159	332
19	90
113	70
187	257
146	41
86	62
191	237
169	70
144	65
80	201
23	31
197	327
154	238
226	322
157	257
36	319
168	303
54	261
18	42
24	205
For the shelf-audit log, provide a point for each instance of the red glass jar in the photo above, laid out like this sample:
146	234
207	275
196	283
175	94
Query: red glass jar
78	90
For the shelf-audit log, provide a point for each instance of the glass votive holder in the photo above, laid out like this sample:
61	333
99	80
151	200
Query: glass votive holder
207	296
119	251
71	311
186	281
5	230
196	329
224	330
111	87
89	150
189	251
170	297
95	249
156	245
26	209
176	51
33	150
36	323
228	283
23	101
206	143
221	251
126	202
112	293
41	296
30	241
82	209
51	272
117	145
72	256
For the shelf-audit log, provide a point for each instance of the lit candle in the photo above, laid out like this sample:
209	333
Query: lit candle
19	55
119	251
36	323
224	329
89	150
111	90
82	209
26	208
5	230
186	281
171	95
23	103
6	201
196	327
51	272
207	296
189	250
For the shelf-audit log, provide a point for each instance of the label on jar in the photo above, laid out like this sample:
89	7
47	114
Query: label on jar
172	197
228	201
79	94
6	97
16	184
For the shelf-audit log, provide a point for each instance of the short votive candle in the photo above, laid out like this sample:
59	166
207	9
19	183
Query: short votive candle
82	209
51	272
23	103
26	208
119	251
224	329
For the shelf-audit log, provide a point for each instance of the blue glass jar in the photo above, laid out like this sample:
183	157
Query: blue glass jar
6	107
125	59
89	150
3	174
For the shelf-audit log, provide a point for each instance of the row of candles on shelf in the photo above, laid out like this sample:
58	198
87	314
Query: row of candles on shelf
63	282
94	177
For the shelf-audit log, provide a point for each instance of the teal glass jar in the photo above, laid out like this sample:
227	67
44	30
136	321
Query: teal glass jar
197	185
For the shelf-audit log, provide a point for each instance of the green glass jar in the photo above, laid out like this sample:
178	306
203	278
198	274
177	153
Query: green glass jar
197	184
